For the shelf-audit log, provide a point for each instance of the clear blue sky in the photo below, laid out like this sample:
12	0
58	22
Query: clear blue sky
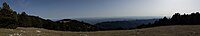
103	8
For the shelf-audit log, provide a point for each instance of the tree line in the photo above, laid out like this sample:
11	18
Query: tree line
11	19
177	19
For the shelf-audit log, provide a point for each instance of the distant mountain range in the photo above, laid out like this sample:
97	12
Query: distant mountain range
124	24
118	22
95	20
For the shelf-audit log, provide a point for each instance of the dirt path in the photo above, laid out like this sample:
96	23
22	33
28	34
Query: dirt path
177	30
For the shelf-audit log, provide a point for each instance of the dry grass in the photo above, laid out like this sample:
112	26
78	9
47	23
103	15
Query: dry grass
177	30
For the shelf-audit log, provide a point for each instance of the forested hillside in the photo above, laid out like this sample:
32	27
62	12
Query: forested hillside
11	19
177	19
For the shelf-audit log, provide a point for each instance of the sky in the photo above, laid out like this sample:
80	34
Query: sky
102	8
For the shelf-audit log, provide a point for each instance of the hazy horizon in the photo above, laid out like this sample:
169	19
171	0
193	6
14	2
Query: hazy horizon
102	8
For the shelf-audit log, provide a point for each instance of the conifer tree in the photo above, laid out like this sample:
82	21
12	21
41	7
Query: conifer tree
6	6
0	8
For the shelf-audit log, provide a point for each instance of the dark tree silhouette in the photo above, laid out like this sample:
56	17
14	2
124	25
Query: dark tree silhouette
0	8
6	6
10	19
177	19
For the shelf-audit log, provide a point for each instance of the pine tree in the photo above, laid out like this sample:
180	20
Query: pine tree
0	8
6	6
23	13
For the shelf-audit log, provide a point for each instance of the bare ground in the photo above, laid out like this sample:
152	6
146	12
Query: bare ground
176	30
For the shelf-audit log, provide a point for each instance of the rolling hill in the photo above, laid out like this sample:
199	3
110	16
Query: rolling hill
175	30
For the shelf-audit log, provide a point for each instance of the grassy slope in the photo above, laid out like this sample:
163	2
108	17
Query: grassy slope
177	30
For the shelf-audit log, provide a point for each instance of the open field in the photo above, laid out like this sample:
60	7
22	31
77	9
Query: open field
176	30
